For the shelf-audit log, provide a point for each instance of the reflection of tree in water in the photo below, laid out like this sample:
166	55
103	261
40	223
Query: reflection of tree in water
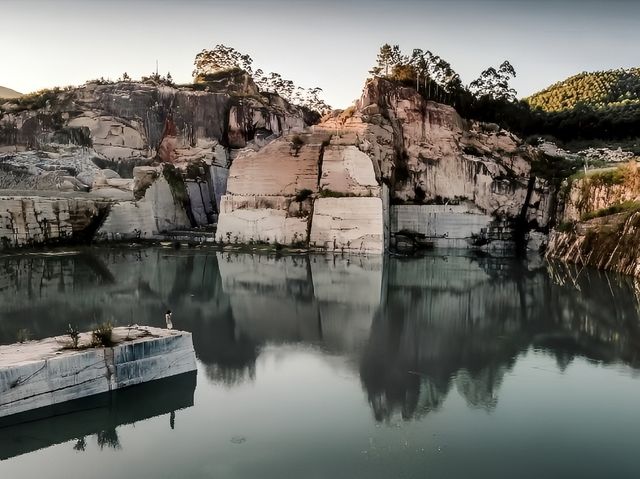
230	358
108	438
203	308
481	390
409	368
447	322
80	445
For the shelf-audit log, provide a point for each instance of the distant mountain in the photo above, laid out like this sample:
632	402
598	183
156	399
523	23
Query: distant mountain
9	93
611	88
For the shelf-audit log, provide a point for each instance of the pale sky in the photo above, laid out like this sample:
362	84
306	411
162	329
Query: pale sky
327	43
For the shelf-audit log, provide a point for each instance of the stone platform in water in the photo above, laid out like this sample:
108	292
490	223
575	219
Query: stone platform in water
38	374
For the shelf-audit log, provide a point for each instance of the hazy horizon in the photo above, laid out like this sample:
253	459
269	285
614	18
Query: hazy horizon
329	44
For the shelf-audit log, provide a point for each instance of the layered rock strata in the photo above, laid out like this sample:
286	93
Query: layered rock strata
36	218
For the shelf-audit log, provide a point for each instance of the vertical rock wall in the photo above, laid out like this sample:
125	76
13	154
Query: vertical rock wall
321	194
32	220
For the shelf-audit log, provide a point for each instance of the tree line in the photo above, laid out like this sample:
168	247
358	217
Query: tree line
603	106
210	63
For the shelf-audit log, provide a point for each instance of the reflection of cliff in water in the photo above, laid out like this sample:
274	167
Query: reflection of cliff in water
417	328
98	416
452	321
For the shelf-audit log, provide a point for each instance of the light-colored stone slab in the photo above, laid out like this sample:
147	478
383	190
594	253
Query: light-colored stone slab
41	373
348	224
247	219
158	211
274	170
347	170
447	226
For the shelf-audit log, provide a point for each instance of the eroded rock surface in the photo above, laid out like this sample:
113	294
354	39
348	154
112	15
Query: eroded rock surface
399	150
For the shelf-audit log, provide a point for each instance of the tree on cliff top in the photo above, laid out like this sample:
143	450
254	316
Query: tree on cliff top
389	56
220	58
495	83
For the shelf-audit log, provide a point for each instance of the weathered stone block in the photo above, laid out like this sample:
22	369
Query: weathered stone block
247	219
348	224
41	373
347	170
274	170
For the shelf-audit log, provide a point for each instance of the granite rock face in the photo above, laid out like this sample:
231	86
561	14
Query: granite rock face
158	211
106	213
348	224
130	121
32	220
276	169
429	155
598	190
317	193
609	243
405	152
347	170
249	165
93	137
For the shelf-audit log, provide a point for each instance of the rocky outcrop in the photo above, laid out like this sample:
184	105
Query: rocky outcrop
391	147
95	136
609	243
129	121
599	189
601	221
32	220
348	224
429	155
158	211
68	168
37	218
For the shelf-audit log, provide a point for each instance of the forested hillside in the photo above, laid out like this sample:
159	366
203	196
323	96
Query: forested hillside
612	88
601	108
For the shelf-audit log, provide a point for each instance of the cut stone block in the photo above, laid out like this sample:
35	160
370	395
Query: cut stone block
274	170
41	373
352	224
347	170
247	219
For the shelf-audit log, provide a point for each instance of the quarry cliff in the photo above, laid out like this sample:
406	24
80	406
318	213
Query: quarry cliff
393	171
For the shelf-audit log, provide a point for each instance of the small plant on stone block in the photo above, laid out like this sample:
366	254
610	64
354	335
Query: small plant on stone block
102	335
74	334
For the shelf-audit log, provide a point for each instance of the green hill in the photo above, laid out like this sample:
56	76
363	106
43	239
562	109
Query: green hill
611	88
9	93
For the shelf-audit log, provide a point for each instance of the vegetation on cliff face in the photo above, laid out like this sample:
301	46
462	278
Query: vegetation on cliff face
609	242
587	107
602	192
624	207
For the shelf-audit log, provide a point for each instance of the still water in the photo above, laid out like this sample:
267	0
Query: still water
447	366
